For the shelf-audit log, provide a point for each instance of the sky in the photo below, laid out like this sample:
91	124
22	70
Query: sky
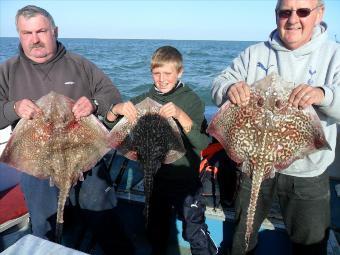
239	20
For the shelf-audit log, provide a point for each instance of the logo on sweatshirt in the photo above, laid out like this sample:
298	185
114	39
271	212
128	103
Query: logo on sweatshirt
69	83
311	73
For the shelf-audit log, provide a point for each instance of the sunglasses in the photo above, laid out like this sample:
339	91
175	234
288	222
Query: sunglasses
301	12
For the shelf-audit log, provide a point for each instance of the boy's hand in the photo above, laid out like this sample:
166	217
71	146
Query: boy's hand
126	109
171	110
239	93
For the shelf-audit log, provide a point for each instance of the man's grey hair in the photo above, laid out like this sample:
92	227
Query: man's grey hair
30	11
320	3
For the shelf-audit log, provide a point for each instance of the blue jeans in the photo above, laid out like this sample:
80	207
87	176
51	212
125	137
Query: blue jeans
42	199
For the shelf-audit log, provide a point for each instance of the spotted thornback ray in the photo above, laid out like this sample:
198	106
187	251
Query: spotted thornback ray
55	145
267	135
151	140
122	139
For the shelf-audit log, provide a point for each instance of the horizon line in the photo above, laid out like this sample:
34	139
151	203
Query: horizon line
155	39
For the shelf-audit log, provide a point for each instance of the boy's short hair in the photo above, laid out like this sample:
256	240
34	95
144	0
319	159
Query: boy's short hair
166	54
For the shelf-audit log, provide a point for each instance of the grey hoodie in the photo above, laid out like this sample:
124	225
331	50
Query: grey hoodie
66	73
316	63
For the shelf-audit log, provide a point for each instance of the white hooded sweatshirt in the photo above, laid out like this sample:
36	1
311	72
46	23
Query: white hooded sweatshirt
316	63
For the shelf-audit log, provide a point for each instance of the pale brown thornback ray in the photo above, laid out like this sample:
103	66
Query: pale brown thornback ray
267	135
151	140
55	145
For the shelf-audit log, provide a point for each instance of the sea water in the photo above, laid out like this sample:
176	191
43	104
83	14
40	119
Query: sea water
127	62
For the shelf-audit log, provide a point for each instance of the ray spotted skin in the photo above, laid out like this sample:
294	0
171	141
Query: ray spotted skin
55	145
152	140
121	139
266	135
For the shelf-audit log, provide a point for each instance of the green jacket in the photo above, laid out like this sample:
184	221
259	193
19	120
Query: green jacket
182	175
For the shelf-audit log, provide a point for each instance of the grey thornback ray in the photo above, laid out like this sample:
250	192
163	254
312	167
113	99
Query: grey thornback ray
151	140
267	135
57	146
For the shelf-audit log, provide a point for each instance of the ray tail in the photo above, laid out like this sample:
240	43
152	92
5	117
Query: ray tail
257	179
63	194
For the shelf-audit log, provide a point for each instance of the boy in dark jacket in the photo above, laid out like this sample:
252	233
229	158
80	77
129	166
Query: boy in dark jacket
175	185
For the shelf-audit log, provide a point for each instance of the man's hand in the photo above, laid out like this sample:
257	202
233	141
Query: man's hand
26	109
305	95
239	93
83	108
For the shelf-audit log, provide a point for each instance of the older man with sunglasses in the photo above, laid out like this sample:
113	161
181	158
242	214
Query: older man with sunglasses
300	51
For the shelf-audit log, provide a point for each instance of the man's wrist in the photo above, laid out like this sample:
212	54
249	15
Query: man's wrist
95	105
323	91
112	110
